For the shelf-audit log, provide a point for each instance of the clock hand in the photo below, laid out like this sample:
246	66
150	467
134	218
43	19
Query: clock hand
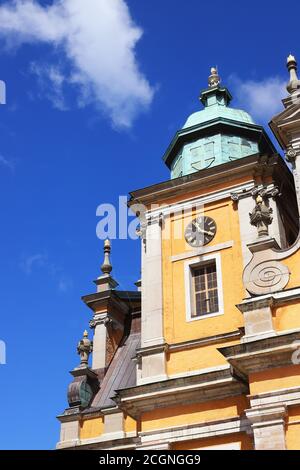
207	232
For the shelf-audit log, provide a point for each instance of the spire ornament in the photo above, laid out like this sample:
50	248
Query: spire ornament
106	267
214	79
84	349
294	84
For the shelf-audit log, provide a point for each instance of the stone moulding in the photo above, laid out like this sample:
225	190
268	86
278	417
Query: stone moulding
202	430
184	390
261	355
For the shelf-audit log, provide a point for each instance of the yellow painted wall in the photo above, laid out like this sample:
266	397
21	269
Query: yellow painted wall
196	358
130	424
274	379
287	317
90	428
242	439
94	427
195	413
177	329
293	263
293	429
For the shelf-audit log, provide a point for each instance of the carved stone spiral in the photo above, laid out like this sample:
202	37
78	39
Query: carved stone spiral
267	277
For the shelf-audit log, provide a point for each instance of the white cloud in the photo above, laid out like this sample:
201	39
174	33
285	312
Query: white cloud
7	163
29	263
98	39
51	82
262	99
40	261
64	285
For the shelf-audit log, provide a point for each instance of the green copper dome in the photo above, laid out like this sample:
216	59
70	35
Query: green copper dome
218	109
215	135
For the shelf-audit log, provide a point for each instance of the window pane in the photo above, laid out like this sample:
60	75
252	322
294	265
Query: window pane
205	290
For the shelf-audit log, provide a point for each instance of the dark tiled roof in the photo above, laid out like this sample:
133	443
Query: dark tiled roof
121	372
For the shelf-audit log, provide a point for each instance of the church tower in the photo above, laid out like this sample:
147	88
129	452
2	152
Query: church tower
205	353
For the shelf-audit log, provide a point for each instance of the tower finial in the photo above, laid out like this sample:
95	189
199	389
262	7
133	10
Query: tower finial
106	267
84	349
294	83
214	78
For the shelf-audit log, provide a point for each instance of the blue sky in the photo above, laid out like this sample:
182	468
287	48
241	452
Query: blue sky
95	92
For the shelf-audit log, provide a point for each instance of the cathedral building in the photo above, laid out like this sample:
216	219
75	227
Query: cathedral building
204	353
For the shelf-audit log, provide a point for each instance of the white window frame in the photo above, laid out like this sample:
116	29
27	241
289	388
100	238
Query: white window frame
194	263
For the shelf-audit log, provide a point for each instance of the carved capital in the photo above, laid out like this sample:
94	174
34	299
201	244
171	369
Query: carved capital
291	154
105	320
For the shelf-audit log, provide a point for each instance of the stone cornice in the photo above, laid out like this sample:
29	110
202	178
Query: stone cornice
287	396
267	415
196	431
127	443
261	355
252	166
277	299
203	341
184	390
148	350
101	300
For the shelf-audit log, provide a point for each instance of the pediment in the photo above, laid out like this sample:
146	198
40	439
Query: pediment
287	115
283	123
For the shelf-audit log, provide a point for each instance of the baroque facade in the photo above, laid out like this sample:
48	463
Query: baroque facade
204	354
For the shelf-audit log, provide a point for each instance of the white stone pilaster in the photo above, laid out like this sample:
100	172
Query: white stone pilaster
152	301
258	319
152	334
69	434
248	232
268	425
99	341
113	424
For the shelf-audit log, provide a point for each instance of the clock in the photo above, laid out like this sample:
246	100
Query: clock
200	231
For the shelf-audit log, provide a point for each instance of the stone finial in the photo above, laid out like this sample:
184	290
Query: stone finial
84	349
106	267
294	83
214	78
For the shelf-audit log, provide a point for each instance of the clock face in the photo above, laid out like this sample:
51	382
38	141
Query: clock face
200	231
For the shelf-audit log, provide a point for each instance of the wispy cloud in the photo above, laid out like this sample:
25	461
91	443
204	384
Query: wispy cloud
51	82
65	285
40	261
36	261
262	98
98	39
7	163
